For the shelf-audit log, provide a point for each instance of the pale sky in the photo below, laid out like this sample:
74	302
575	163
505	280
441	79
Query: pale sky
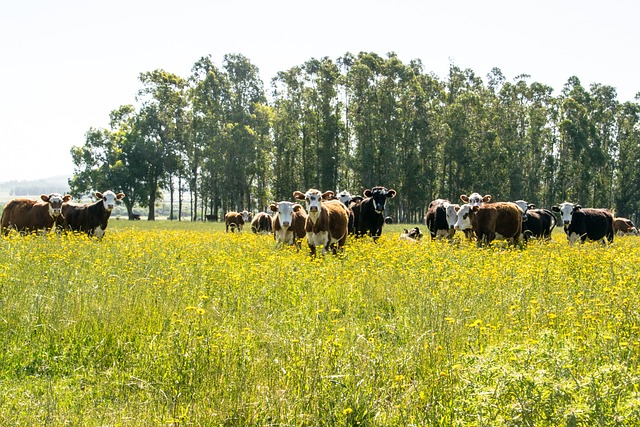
65	64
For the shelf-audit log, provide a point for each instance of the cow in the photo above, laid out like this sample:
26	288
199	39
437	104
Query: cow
413	235
440	219
371	213
475	199
538	223
501	220
624	226
26	215
582	224
288	223
327	221
261	223
347	199
90	218
236	220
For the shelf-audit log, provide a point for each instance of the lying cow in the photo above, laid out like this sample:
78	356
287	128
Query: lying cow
624	226
261	223
235	220
586	223
413	235
371	212
26	215
440	218
327	221
501	220
288	223
91	218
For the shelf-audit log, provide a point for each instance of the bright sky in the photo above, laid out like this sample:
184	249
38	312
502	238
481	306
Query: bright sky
66	64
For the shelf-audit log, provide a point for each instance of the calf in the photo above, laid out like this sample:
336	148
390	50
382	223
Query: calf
261	223
501	220
26	215
413	235
371	213
438	219
235	220
622	226
586	223
327	222
289	223
91	218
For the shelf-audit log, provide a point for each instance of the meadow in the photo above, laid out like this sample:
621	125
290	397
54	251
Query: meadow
182	324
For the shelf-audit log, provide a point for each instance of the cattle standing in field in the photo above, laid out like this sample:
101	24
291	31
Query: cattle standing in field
538	223
289	223
347	199
581	224
236	220
91	218
413	235
624	226
501	220
26	215
441	218
261	223
327	220
371	214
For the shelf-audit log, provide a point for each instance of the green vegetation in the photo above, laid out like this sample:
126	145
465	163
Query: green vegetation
181	324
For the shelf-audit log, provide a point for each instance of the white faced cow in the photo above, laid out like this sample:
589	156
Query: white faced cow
26	215
327	221
91	218
288	223
581	224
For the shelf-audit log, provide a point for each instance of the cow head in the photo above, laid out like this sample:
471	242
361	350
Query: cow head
109	199
566	209
525	206
314	199
55	202
475	199
345	197
452	213
284	211
379	195
246	216
464	216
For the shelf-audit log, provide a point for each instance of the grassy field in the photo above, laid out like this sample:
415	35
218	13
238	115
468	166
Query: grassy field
181	324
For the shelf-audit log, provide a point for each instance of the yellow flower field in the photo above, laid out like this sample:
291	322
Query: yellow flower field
182	324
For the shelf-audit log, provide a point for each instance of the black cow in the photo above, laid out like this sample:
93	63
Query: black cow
538	223
437	220
370	217
91	218
587	224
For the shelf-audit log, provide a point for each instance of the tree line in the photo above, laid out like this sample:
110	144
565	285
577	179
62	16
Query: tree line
359	121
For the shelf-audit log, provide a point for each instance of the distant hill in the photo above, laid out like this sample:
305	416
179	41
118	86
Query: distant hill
55	184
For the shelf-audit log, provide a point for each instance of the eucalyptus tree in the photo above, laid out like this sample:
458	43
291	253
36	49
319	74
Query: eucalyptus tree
627	194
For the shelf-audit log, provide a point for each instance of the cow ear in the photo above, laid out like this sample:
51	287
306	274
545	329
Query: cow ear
298	195
555	208
464	198
475	208
531	206
367	193
297	207
98	195
391	194
44	198
273	207
577	207
66	198
327	195
486	198
120	196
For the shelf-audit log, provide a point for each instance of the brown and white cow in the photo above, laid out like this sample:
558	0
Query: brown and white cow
624	226
501	220
26	215
236	220
91	218
261	223
582	224
288	223
327	221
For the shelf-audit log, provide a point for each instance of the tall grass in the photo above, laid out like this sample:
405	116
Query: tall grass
183	324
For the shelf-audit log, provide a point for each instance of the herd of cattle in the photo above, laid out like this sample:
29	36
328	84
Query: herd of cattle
327	219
